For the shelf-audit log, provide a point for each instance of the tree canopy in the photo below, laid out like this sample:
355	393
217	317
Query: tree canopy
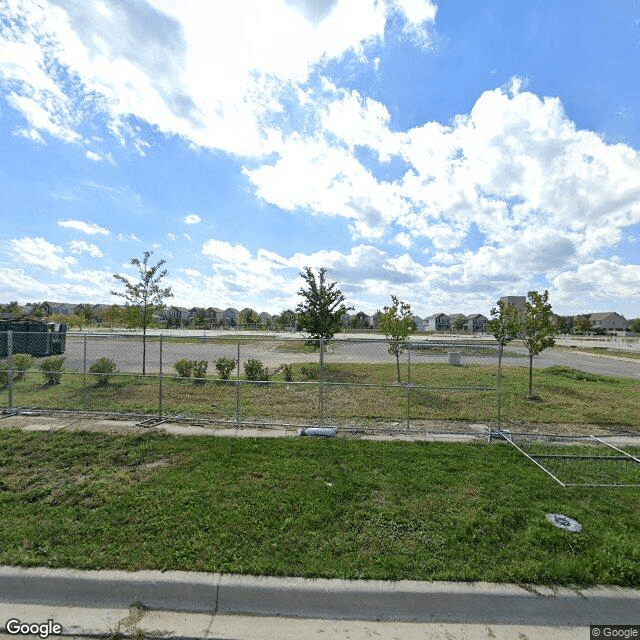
322	306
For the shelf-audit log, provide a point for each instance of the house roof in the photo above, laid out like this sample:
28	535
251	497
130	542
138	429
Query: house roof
604	315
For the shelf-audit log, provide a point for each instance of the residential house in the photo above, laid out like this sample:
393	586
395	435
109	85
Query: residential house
230	317
58	308
361	321
174	316
265	318
456	318
437	322
476	323
213	315
419	322
608	321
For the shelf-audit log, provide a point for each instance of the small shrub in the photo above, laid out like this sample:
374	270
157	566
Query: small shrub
255	370
199	368
288	373
225	366
22	362
102	370
310	373
184	367
52	369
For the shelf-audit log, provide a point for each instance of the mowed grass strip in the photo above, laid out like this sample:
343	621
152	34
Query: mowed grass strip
464	393
306	507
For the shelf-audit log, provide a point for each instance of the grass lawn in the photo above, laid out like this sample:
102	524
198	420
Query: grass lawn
464	393
305	507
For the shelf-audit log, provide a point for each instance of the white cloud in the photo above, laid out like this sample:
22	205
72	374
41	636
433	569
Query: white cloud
96	157
192	218
90	228
123	237
39	252
267	48
80	246
172	236
418	14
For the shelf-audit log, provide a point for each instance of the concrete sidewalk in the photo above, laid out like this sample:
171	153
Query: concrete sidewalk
185	604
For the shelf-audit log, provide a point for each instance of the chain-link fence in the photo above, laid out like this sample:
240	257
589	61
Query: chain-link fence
352	382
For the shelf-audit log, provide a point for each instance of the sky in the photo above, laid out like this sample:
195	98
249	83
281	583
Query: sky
447	152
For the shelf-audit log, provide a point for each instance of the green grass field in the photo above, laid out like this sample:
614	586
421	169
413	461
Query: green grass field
442	392
305	507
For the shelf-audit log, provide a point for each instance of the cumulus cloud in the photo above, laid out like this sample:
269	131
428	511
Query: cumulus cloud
192	218
90	228
80	246
123	237
39	252
149	60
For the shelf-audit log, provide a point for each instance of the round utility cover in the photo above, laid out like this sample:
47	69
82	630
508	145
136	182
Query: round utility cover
563	522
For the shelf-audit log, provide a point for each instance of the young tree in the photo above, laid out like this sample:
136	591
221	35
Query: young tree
144	295
582	325
396	322
322	306
538	329
634	325
505	326
113	315
286	319
458	323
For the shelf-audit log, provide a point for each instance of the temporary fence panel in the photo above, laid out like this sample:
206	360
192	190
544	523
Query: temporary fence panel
581	461
296	381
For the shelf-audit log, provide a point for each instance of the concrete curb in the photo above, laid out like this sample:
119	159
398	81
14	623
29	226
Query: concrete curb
405	601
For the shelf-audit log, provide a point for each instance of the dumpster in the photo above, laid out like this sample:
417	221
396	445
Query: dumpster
38	340
59	340
19	335
3	339
34	337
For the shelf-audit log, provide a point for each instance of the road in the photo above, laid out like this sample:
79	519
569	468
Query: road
126	351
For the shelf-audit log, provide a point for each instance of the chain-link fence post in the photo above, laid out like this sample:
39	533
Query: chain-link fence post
499	394
321	382
10	368
238	386
408	384
84	372
160	385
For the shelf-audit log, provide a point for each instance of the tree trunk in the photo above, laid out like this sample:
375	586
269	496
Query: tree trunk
398	367
530	375
144	349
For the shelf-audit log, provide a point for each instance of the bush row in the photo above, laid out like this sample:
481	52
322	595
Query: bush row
103	368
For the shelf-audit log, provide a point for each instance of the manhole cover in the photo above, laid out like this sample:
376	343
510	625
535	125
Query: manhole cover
564	522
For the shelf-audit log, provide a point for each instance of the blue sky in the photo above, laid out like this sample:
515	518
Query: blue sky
446	152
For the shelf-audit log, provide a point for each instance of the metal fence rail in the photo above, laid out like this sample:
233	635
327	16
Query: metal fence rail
295	381
580	461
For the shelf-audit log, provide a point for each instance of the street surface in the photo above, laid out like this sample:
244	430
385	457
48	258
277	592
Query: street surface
126	351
